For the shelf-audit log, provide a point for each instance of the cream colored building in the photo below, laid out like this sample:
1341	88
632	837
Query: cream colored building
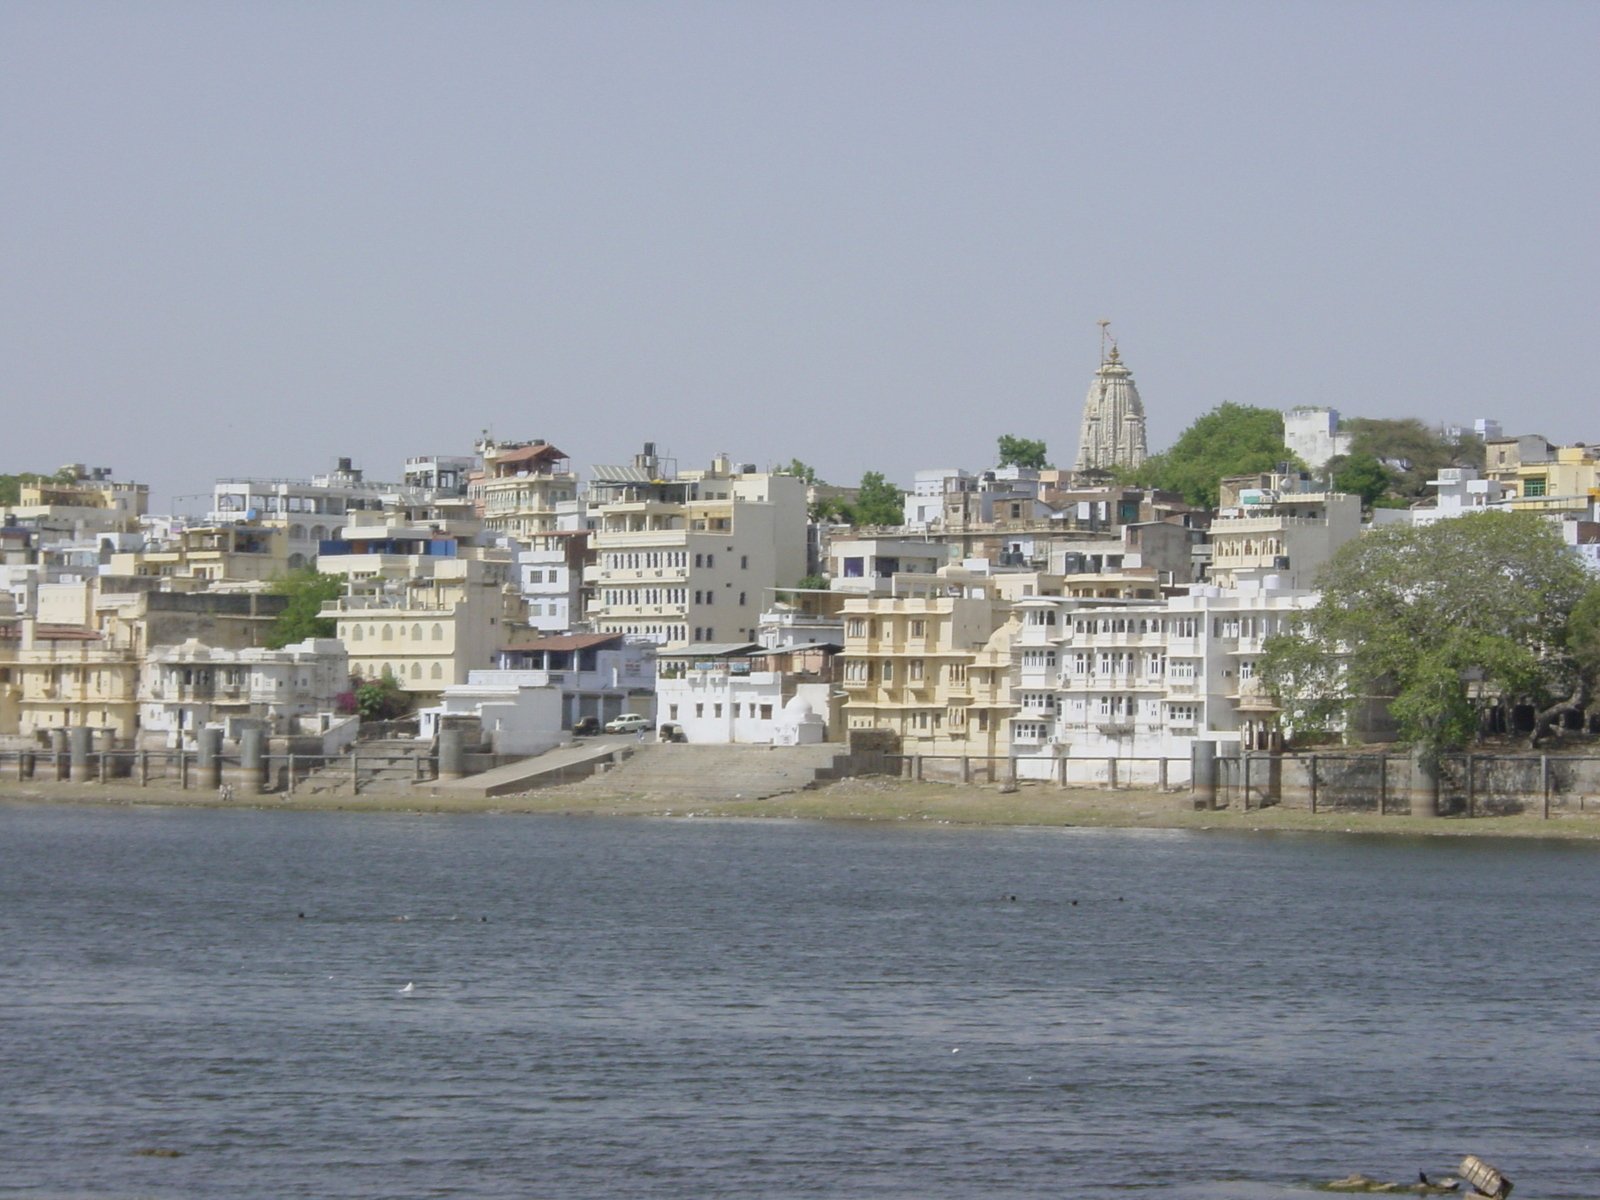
240	553
426	619
931	663
522	485
1569	482
94	503
1278	529
692	557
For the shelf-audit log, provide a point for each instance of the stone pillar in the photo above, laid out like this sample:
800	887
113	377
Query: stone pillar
1203	773
452	755
80	740
209	744
253	760
1424	788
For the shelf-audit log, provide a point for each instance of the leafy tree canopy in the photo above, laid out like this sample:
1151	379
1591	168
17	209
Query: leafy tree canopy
802	471
1441	621
1410	451
302	618
878	502
1362	475
1231	439
1022	452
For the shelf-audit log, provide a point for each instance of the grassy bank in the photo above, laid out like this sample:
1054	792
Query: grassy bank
864	800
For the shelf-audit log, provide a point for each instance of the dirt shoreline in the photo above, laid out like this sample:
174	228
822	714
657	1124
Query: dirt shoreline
867	799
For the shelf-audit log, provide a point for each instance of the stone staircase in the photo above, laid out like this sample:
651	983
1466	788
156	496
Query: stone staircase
382	768
716	772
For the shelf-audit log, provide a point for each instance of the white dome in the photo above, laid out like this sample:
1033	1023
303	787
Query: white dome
798	706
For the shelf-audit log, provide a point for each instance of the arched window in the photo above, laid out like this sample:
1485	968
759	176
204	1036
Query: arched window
297	532
416	633
296	561
416	670
438	671
355	633
318	533
438	633
388	633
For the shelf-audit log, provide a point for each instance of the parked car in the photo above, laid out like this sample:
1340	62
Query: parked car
628	723
586	727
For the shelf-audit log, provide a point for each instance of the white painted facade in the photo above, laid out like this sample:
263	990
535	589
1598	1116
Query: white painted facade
187	686
518	716
1140	680
1312	435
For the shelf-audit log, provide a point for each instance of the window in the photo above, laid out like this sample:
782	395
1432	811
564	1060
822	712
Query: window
1028	731
856	627
854	568
535	576
888	671
699	710
388	633
766	712
958	672
711	560
741	597
355	633
416	633
1041	616
716	710
438	671
919	628
416	670
744	562
672	712
914	669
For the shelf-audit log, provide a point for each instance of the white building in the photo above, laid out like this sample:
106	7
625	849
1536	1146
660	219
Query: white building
186	687
518	715
746	694
924	503
1312	435
600	675
690	557
550	576
1141	680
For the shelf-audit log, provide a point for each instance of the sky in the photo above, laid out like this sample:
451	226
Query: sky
247	239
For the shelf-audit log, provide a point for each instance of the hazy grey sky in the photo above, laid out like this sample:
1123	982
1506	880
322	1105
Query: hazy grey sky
242	239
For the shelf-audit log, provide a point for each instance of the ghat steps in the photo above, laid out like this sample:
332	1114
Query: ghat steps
716	772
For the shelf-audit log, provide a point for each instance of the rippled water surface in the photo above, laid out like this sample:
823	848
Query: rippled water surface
652	1008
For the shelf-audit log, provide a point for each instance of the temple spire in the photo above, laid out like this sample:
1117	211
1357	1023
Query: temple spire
1113	415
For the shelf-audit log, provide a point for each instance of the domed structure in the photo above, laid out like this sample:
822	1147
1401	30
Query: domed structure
1113	419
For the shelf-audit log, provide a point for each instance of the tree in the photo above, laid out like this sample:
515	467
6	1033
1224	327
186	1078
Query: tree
878	502
1411	451
1231	439
802	471
1022	452
302	617
1362	475
382	699
1443	622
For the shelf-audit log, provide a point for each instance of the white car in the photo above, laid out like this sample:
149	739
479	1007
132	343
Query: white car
628	723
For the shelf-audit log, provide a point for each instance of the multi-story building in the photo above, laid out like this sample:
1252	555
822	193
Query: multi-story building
931	662
1097	679
600	675
690	557
92	503
1278	528
1312	435
550	573
426	619
523	486
239	553
191	685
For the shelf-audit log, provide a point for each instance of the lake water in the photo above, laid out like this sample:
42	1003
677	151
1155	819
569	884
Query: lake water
687	1008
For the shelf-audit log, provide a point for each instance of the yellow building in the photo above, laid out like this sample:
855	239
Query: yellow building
92	503
58	676
931	664
234	553
1568	482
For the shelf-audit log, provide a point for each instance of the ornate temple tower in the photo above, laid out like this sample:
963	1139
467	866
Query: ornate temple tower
1113	419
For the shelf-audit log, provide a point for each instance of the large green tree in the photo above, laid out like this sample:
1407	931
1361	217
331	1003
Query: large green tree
1029	453
878	502
1441	623
1362	475
302	618
11	485
1231	439
1411	452
803	471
